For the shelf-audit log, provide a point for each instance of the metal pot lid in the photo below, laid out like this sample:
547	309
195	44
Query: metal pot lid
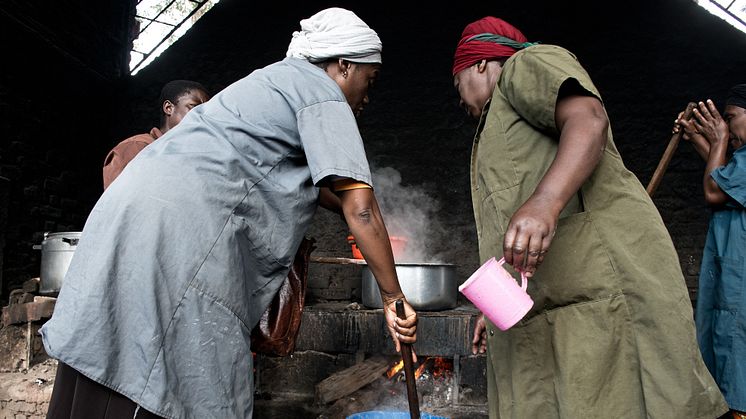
62	241
48	235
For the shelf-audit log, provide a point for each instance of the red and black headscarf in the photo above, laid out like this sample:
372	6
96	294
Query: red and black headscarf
737	96
487	38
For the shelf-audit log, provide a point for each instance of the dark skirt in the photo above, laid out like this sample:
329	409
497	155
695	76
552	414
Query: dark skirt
77	396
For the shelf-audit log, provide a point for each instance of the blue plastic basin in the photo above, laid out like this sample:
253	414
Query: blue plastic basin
382	414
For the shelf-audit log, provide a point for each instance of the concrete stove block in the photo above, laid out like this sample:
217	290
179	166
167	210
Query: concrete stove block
350	328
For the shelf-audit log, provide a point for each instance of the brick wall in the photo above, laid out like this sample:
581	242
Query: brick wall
3	222
61	65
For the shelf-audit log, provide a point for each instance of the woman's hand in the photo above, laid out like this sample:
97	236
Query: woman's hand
583	127
678	126
708	122
688	130
529	235
677	123
401	330
690	133
479	341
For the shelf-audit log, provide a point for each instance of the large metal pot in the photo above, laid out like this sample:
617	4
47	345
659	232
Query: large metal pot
56	253
427	286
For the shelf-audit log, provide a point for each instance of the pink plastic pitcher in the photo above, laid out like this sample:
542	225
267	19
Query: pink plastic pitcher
497	294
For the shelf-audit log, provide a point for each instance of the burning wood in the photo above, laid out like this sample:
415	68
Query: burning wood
436	387
418	371
351	379
443	367
396	368
433	366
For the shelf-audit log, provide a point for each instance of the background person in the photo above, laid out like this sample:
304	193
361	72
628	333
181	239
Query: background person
177	98
166	283
721	297
611	333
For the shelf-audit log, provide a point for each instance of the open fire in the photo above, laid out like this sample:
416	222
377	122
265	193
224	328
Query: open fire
435	380
433	366
366	375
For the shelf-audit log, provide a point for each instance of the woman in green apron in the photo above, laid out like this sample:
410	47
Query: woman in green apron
611	332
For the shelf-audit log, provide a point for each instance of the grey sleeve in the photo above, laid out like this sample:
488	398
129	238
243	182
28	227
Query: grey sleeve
332	142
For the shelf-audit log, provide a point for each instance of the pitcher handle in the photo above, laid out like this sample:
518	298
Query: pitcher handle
524	279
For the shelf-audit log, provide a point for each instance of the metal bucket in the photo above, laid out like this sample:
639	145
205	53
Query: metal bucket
427	286
57	251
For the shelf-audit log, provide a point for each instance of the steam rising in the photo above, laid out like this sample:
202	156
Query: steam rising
410	213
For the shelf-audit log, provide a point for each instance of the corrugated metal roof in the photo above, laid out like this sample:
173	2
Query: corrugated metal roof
160	24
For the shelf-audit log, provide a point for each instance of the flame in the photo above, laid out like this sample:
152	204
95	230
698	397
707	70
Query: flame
442	367
420	369
437	366
396	368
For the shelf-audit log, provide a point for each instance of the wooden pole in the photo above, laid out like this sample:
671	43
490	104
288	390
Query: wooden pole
406	355
668	153
338	261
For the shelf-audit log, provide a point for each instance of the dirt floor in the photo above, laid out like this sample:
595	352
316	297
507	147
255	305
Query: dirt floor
381	395
25	395
269	409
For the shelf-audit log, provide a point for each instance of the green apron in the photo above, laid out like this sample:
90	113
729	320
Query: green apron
611	332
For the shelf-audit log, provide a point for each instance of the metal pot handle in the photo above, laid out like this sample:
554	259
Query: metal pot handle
71	242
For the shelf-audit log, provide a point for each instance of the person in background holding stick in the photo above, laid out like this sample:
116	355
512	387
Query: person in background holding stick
611	333
721	300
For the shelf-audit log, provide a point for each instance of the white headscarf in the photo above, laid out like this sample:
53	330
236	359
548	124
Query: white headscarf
335	33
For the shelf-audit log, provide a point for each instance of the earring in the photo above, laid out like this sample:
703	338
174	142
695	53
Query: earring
344	74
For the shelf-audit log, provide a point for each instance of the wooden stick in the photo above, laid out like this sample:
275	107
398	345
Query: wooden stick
338	261
668	153
406	355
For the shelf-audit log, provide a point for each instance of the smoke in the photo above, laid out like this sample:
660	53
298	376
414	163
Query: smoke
409	213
